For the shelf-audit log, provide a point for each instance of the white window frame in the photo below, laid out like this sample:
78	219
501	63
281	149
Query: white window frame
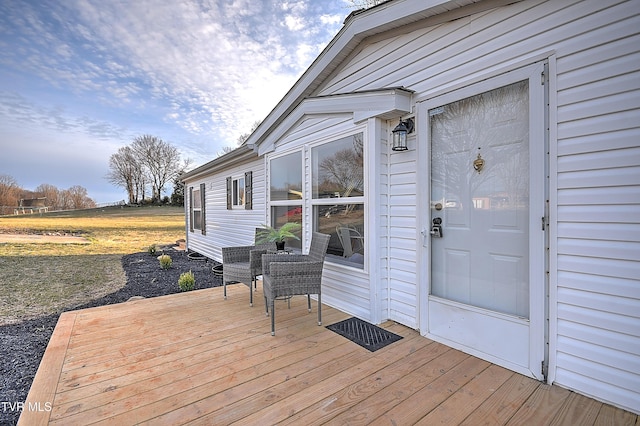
299	202
196	197
361	200
307	203
284	203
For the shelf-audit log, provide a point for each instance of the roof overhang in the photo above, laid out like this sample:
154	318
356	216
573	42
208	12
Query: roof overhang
384	103
239	155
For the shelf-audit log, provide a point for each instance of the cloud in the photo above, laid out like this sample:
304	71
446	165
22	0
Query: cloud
331	19
18	111
208	56
79	74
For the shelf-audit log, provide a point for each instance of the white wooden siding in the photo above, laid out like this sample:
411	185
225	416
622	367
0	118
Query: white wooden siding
598	234
381	167
403	257
312	129
596	277
228	227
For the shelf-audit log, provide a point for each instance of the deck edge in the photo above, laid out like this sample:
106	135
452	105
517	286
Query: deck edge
39	403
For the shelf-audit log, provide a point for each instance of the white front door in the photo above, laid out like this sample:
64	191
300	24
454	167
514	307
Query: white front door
486	210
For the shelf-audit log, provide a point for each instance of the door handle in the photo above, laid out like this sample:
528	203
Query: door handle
425	234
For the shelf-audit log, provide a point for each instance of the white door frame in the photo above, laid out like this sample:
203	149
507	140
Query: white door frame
537	260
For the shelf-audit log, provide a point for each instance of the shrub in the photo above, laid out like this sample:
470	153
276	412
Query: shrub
152	249
187	281
165	261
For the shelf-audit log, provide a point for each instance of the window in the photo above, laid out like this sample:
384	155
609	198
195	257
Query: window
338	198
197	209
336	201
286	177
285	192
240	191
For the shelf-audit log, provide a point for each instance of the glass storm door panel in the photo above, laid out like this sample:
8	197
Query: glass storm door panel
481	216
482	258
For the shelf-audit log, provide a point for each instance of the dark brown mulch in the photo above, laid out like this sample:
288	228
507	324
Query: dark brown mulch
23	344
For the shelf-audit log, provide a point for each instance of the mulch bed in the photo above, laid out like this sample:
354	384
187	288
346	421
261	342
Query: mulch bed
22	345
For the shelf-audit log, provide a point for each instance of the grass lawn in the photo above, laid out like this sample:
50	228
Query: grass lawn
44	278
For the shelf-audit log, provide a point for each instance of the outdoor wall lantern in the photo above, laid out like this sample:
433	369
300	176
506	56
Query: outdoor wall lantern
400	134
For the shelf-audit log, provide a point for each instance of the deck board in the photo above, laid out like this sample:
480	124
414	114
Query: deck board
466	400
194	358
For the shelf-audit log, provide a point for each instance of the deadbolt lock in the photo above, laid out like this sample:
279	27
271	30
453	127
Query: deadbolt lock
436	228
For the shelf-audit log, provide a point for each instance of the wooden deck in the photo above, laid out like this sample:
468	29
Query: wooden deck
195	358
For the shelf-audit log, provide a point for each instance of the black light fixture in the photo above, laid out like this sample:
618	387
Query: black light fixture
400	134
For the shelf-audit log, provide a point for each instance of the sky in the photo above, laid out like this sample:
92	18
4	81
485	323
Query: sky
80	79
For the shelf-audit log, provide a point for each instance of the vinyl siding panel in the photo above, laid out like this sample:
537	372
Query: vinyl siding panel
312	129
599	142
599	178
429	60
228	227
346	289
382	224
402	246
598	288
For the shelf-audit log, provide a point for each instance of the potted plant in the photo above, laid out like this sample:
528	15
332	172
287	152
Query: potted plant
278	235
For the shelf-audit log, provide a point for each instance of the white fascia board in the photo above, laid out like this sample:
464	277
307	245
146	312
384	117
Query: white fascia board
385	103
243	153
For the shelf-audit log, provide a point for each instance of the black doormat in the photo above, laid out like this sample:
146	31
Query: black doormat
364	334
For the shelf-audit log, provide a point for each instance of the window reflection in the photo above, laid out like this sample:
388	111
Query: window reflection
286	177
345	224
338	168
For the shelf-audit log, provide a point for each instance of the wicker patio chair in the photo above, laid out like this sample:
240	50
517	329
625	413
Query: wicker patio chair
243	264
285	275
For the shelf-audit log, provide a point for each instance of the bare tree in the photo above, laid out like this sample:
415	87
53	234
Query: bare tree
64	200
343	171
365	4
77	198
51	193
243	137
9	194
126	171
148	161
225	150
160	159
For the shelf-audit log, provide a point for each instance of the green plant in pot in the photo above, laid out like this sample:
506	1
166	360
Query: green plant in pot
278	235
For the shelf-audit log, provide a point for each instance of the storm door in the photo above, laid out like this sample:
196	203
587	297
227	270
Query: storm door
487	172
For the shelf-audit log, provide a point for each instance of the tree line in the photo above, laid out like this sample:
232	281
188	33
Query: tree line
11	194
145	167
